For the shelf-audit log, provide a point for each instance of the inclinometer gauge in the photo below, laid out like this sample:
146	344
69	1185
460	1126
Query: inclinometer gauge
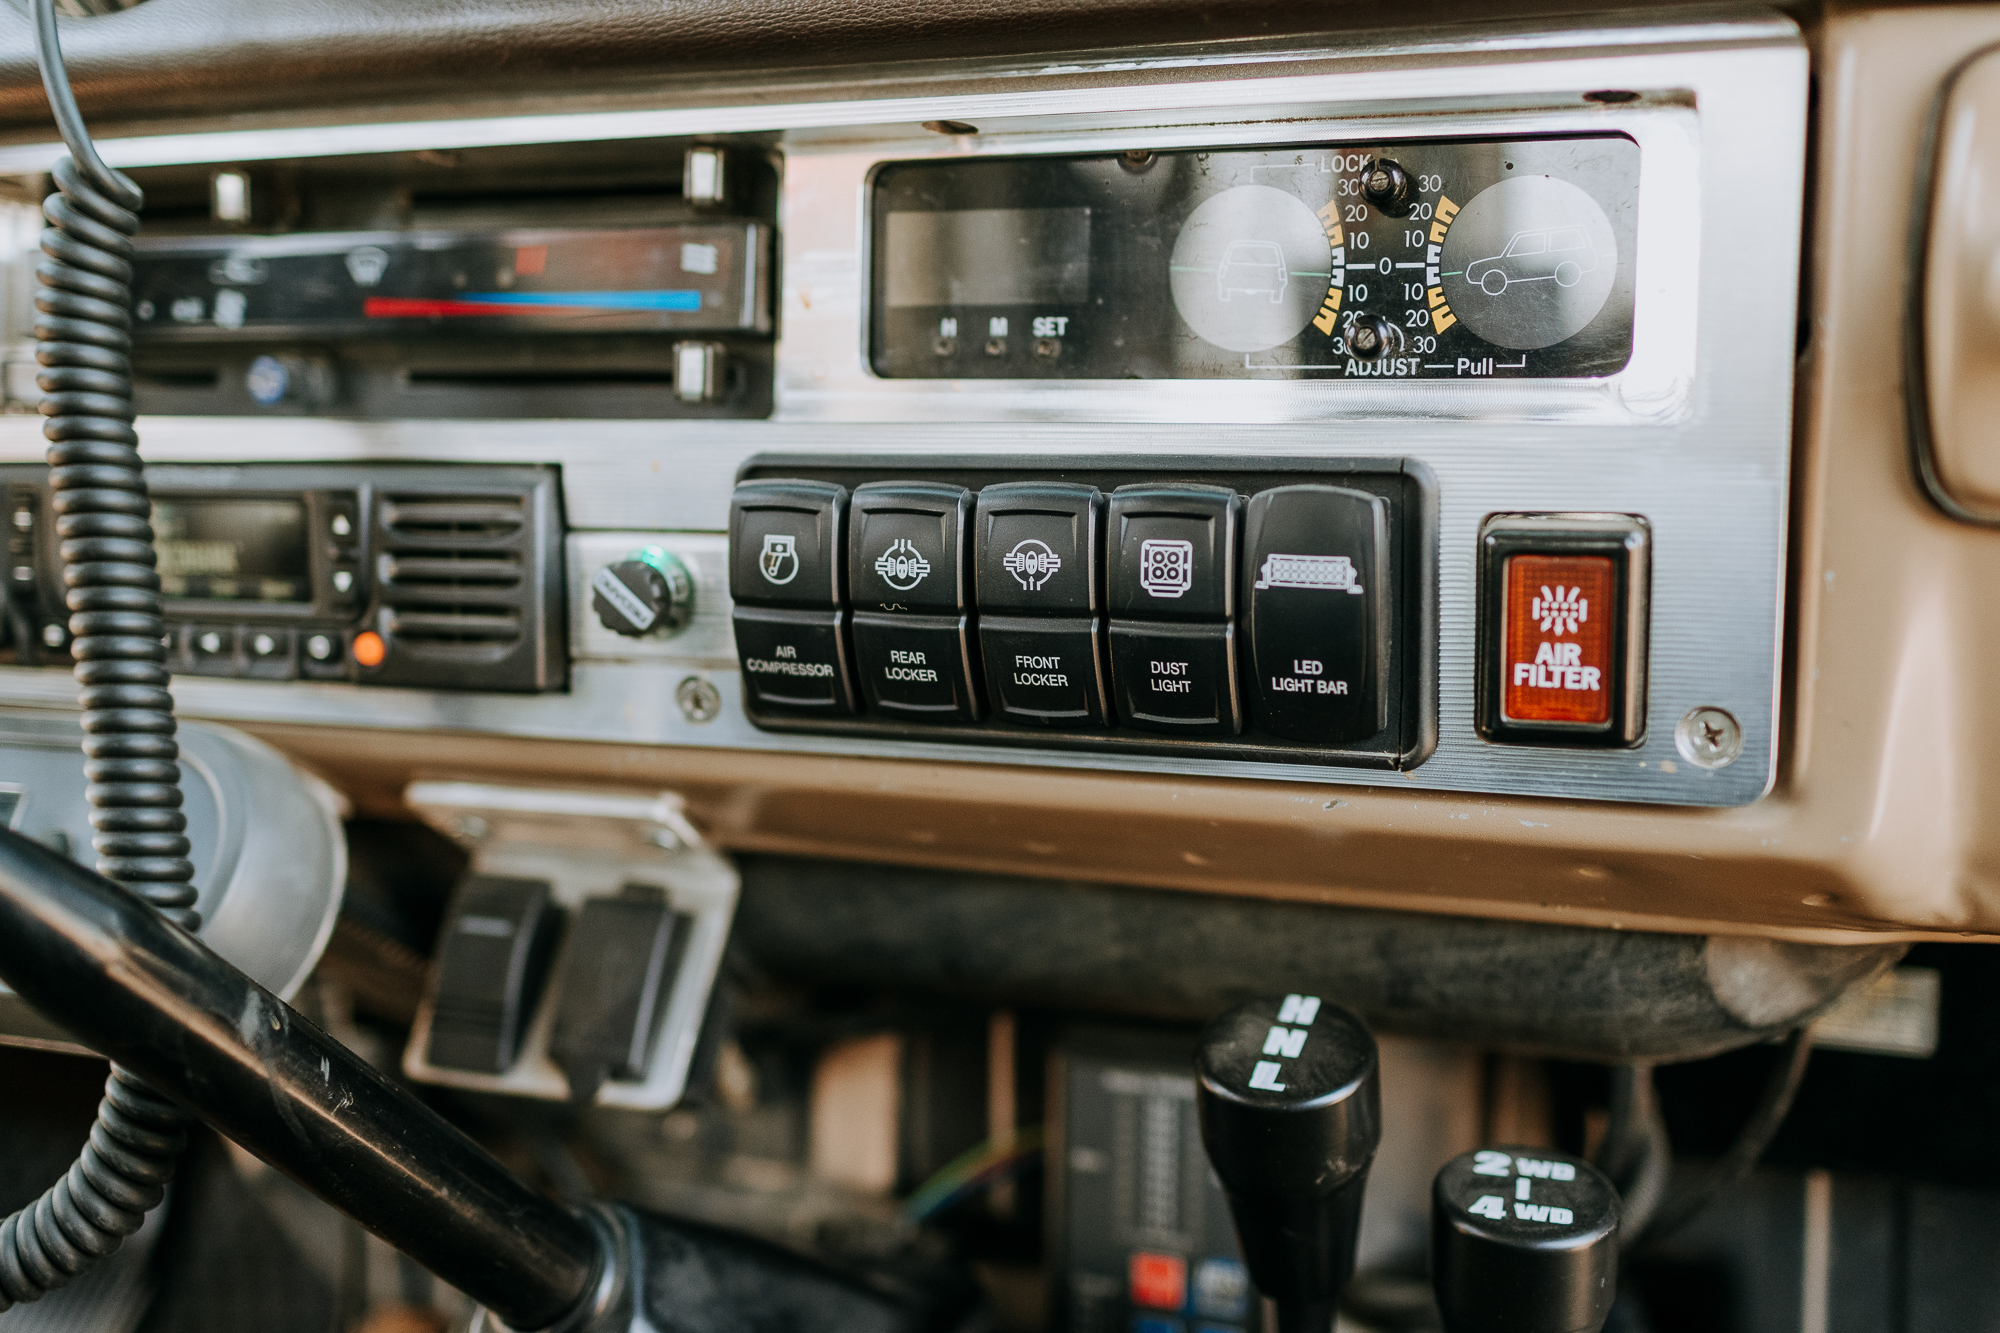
1462	260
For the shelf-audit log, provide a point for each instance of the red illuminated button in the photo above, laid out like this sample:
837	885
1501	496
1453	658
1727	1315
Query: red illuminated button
369	650
1559	615
1159	1281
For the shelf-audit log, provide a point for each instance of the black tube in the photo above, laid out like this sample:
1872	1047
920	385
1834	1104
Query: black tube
158	1001
1751	1141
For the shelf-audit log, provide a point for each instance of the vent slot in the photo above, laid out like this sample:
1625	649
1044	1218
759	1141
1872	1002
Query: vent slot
424	518
454	624
452	570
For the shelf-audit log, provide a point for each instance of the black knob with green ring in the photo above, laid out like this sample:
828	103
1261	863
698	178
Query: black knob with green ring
650	593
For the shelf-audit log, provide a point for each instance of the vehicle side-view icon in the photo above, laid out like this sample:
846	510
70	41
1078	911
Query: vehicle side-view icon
1542	254
1252	266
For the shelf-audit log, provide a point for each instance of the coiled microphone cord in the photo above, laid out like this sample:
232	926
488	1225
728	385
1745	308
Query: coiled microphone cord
103	518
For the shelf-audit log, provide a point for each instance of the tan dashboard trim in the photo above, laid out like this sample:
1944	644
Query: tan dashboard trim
1581	863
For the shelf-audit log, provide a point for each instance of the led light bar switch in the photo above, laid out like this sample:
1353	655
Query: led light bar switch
1316	598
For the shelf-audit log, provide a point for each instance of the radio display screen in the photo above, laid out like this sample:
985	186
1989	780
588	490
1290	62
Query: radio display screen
233	549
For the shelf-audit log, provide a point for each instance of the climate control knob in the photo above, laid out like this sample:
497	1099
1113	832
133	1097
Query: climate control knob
649	592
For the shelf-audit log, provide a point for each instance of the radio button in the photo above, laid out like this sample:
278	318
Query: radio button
785	541
343	518
323	655
1178	679
269	654
1044	673
1315	568
211	650
906	547
1036	547
916	667
1173	552
794	661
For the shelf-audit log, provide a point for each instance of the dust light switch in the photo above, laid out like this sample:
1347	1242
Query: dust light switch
1562	628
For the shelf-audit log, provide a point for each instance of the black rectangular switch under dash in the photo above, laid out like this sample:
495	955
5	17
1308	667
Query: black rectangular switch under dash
492	960
1315	571
623	957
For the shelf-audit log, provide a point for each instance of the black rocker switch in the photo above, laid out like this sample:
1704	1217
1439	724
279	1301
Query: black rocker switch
493	956
1315	602
1523	1240
624	954
1290	1105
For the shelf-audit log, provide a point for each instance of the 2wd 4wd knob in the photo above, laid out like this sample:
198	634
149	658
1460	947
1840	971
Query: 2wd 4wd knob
649	592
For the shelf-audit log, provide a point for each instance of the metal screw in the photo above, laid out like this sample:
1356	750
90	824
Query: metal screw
1708	737
699	700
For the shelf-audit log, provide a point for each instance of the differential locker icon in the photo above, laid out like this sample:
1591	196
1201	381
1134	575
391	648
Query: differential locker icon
1032	563
901	566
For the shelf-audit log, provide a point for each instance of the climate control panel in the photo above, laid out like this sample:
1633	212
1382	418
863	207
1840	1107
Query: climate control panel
1279	610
